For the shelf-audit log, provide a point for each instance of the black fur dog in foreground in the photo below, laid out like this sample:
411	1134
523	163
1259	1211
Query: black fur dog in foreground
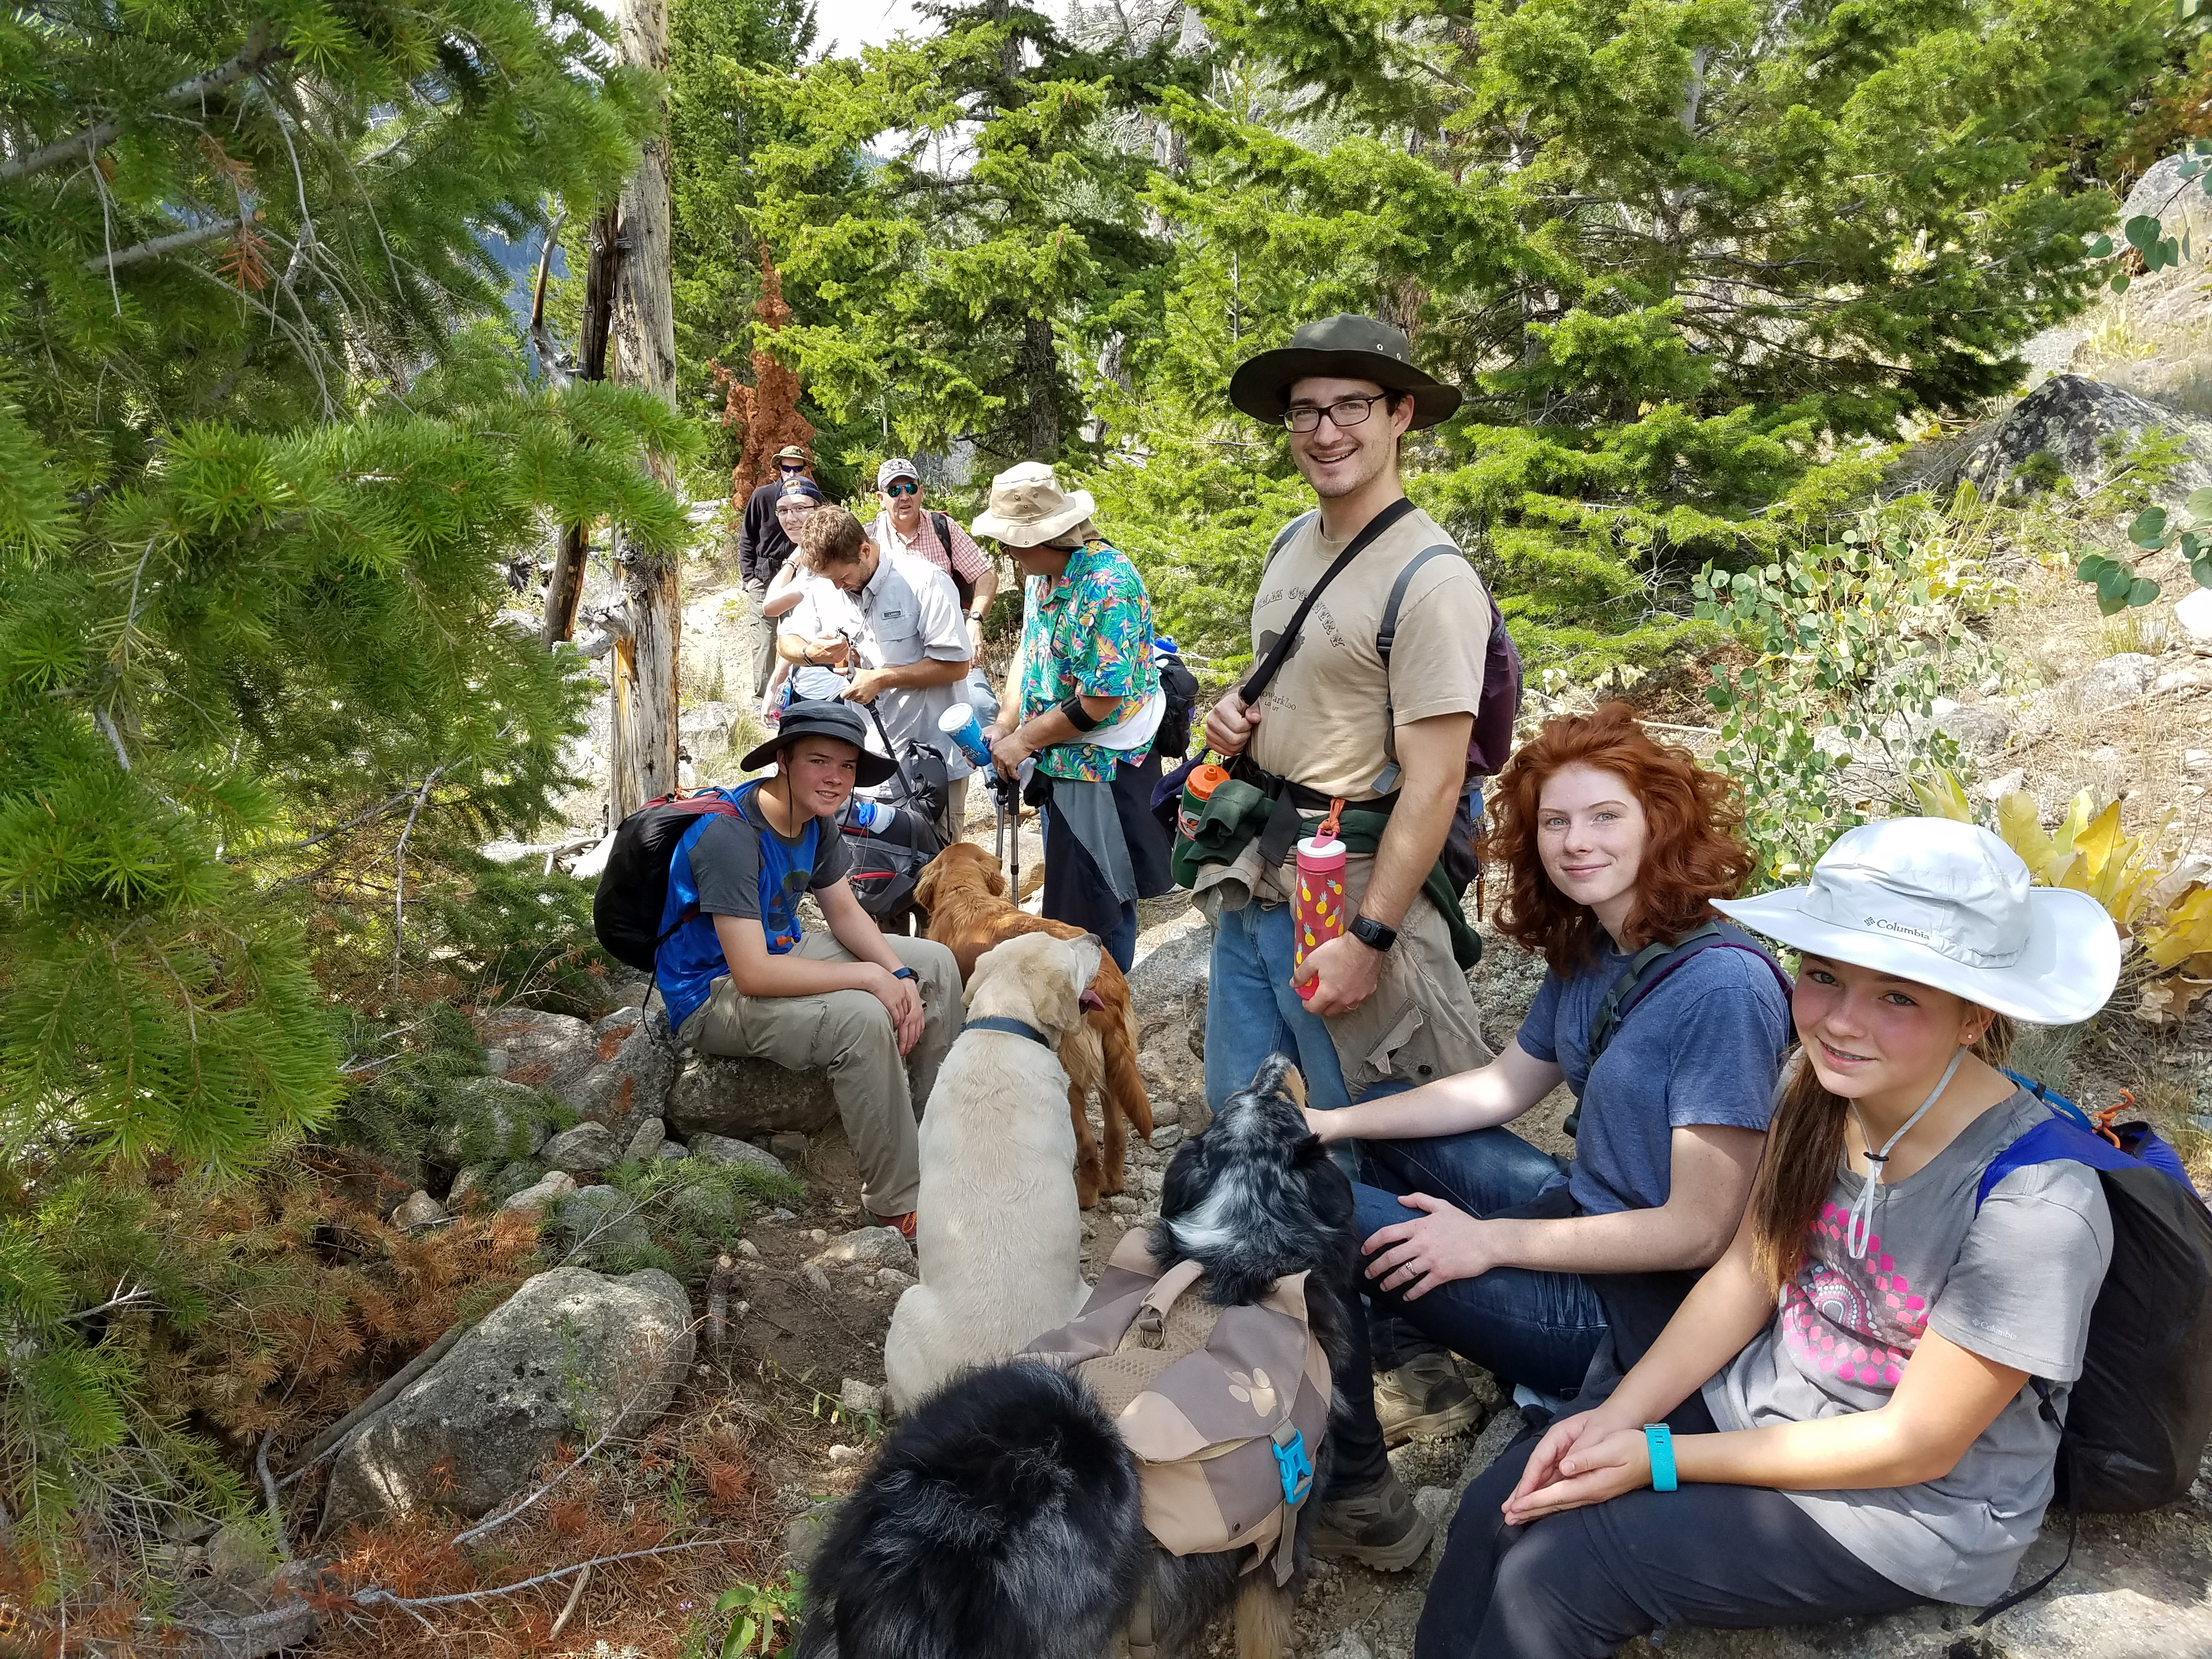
1003	1519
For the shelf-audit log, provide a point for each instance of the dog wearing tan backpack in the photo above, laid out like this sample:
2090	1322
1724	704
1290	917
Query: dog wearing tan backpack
1143	1468
964	892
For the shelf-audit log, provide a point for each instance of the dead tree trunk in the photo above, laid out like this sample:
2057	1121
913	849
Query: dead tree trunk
564	587
642	339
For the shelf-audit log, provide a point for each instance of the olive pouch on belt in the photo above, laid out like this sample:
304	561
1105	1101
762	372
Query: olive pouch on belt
1232	814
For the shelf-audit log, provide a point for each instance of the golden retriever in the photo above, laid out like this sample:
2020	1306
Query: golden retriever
963	893
1001	1236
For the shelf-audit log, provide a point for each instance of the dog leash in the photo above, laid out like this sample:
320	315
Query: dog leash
1011	1027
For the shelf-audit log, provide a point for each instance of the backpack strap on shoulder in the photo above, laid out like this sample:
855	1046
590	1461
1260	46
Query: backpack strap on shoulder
1385	637
1283	536
2055	1139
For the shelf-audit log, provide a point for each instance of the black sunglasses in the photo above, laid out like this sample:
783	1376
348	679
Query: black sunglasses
903	487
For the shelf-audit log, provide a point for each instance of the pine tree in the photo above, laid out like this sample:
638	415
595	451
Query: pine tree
766	413
1693	260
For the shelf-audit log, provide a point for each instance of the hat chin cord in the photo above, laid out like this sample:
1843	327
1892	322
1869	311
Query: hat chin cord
1858	1226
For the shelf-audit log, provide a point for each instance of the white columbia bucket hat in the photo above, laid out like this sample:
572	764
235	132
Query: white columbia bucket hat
1948	904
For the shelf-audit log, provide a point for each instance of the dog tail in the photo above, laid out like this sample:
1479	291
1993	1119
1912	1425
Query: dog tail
1263	1617
1125	1084
1003	1518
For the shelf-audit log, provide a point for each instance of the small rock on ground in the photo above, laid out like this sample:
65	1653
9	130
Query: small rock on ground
787	1144
584	1150
646	1143
855	1396
557	1183
868	1246
726	1149
418	1209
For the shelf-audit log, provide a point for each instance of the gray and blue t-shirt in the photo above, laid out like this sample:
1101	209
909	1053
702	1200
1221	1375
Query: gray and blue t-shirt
1703	1046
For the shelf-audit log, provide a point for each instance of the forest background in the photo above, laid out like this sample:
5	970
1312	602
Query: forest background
272	438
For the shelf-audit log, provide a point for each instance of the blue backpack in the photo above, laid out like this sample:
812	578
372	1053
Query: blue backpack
2137	1420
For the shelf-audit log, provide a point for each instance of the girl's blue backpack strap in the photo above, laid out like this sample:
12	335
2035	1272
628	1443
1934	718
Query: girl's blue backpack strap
2053	1140
2053	1099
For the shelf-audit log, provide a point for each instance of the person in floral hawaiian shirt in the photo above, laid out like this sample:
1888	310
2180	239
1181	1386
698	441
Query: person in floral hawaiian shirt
1082	704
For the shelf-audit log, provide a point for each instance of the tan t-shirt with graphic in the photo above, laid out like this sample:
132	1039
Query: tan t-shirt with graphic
1321	720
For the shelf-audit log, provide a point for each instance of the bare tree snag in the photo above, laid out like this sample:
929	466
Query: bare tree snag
642	341
565	586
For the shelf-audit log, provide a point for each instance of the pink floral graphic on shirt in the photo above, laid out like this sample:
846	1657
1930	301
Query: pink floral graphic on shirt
1858	1321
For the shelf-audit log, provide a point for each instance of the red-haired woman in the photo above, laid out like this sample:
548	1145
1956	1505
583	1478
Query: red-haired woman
1616	847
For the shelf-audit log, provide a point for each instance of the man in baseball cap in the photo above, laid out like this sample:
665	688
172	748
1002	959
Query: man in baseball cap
904	526
763	546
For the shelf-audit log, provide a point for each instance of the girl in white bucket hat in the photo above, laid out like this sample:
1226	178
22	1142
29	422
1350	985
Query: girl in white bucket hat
1837	1423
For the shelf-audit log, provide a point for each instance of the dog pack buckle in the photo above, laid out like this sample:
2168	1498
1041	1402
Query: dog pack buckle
1152	1325
1291	1463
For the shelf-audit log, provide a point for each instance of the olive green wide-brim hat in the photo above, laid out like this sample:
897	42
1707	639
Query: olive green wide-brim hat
1343	348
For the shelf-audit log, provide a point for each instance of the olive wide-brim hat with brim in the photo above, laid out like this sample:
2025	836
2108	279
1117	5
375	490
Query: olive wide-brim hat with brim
839	720
1344	348
1947	904
1028	506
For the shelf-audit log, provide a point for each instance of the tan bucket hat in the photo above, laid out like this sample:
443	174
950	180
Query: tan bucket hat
1029	507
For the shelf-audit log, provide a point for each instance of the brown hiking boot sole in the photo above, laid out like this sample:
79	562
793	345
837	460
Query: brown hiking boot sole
1435	1425
1396	1556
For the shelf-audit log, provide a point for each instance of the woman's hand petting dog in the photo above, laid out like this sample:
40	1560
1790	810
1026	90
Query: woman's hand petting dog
1444	1244
1581	1459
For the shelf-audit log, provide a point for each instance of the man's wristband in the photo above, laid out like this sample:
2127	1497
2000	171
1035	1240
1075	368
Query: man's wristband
1077	717
1372	933
1659	1441
904	973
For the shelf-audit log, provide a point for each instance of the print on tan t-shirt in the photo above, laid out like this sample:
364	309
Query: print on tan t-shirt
1320	721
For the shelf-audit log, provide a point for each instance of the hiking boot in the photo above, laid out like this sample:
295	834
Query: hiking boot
906	1225
1378	1528
1424	1398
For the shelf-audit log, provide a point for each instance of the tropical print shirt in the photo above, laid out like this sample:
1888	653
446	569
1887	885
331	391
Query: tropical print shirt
1089	633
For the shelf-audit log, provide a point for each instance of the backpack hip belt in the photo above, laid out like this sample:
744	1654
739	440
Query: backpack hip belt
1223	1408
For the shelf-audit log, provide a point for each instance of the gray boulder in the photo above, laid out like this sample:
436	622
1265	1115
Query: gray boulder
635	1065
537	1050
721	1149
497	1119
419	1210
2069	417
870	1248
583	1150
1980	728
741	1097
2115	680
570	1357
597	1222
645	1146
557	1183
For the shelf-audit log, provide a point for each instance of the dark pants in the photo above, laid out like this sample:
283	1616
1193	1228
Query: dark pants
1579	1585
1077	892
1521	1324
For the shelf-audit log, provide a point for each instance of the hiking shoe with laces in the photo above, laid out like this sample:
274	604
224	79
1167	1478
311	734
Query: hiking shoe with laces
1378	1528
1424	1398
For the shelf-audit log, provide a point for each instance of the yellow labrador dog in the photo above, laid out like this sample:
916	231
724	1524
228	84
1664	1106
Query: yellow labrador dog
1001	1233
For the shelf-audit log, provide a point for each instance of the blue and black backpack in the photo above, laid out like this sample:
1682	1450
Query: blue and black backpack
2137	1420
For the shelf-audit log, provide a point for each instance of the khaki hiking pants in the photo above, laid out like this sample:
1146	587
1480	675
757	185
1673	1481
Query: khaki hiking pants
848	1034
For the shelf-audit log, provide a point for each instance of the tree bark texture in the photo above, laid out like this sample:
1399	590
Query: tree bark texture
564	587
642	347
1041	369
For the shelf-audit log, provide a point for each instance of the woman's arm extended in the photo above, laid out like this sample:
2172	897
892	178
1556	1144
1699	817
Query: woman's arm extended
1481	1099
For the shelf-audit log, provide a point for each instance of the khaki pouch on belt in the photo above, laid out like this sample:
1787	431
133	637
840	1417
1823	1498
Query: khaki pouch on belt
1223	1407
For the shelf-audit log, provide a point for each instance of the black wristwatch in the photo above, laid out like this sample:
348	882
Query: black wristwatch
903	973
1372	933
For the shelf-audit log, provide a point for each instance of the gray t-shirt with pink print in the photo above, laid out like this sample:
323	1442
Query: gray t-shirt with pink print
2013	1284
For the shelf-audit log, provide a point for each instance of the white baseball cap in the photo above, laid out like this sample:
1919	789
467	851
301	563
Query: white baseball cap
897	467
1948	904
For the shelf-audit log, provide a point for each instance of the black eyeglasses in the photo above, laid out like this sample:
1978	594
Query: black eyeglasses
1345	413
903	487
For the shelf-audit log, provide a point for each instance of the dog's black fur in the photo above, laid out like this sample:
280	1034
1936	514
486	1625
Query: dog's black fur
1003	1519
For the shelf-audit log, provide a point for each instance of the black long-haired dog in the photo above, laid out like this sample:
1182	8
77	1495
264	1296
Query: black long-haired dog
1003	1519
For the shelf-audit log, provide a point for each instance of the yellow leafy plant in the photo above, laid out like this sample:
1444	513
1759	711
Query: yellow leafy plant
2165	923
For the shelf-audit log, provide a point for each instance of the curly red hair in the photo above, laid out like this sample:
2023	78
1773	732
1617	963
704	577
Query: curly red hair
1692	855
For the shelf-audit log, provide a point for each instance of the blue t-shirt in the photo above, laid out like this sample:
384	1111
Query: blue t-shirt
1704	1046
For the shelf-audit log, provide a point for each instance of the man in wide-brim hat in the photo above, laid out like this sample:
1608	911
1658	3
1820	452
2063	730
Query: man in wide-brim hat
1385	1003
1084	703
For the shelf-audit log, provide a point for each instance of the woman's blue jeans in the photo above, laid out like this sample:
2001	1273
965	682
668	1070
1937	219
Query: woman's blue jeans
1520	1324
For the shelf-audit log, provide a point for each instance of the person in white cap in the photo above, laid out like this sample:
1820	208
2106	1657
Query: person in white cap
1838	1423
904	526
1083	699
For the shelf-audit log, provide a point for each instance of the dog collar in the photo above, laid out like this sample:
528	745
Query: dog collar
1011	1027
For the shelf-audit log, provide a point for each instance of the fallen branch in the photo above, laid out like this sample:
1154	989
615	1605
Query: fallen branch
261	49
719	1283
335	1435
568	1611
268	1490
374	1596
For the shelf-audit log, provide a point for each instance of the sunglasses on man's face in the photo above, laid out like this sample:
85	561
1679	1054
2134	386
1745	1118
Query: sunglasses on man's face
903	487
790	466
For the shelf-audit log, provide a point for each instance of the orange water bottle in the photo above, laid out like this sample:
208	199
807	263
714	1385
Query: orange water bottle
1197	789
1317	913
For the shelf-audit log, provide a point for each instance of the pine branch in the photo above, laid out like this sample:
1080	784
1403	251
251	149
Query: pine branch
261	49
374	1596
158	245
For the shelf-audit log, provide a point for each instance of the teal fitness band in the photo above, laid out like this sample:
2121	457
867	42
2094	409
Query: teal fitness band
1659	1439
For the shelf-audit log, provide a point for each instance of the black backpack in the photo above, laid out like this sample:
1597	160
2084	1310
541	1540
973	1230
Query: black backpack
2138	1418
633	889
885	847
1179	686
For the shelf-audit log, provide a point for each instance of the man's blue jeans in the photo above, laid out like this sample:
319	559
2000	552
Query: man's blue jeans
1521	1324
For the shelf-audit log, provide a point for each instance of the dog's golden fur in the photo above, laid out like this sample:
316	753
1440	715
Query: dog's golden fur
964	892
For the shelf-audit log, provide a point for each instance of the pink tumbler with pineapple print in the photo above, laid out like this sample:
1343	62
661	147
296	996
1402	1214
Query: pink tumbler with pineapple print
1317	912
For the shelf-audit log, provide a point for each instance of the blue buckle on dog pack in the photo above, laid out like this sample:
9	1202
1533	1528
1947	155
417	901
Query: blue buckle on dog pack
1292	1464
